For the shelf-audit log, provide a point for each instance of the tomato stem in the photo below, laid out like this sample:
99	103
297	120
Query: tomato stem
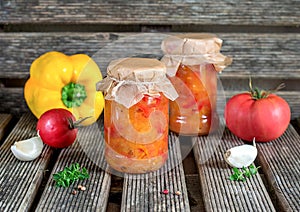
76	124
73	95
256	93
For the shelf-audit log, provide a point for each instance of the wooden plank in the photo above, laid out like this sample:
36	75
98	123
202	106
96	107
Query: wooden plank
259	55
4	121
17	105
262	55
254	13
143	192
88	151
19	181
25	47
280	160
220	193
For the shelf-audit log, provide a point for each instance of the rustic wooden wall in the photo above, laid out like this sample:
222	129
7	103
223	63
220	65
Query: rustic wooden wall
262	37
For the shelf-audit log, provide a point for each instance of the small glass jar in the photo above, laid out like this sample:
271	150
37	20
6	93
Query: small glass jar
193	61
136	114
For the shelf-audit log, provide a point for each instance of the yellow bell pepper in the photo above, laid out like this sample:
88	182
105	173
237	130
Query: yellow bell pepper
69	82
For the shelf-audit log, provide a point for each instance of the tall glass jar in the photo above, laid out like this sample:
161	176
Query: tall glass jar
136	114
193	61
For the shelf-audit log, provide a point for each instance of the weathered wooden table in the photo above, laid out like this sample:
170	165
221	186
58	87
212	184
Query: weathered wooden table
263	39
30	185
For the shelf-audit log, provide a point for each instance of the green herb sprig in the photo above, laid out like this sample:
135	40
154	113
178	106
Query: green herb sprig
243	173
69	175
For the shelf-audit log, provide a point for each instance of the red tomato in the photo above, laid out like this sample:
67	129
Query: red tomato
265	119
55	130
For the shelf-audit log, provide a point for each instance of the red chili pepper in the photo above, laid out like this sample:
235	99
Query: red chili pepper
165	191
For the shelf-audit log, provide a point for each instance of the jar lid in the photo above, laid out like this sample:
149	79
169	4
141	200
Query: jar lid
193	49
129	78
191	44
136	69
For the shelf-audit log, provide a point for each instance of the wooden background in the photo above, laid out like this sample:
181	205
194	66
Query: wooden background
262	37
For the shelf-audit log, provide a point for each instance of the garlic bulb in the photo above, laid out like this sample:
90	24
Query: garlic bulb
28	149
241	156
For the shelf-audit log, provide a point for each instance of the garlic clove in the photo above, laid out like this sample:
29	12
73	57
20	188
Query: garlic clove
241	156
27	150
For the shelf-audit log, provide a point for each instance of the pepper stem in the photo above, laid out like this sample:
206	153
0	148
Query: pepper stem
73	95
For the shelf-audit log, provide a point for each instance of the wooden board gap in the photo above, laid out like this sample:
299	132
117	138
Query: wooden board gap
46	177
8	125
70	27
115	194
12	83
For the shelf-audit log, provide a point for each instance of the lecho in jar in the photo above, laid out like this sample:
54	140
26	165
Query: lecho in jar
193	61
136	114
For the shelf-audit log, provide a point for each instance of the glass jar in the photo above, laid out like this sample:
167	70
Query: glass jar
193	61
136	114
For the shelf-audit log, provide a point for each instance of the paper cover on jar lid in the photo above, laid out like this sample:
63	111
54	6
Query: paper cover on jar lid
193	49
129	78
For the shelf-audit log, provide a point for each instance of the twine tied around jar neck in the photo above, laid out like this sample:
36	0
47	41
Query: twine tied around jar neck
128	79
193	49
